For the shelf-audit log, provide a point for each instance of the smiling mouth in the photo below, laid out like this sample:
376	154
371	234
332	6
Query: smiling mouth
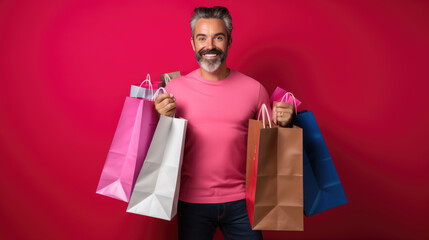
211	55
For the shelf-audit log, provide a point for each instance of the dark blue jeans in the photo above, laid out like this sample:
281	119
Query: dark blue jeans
199	221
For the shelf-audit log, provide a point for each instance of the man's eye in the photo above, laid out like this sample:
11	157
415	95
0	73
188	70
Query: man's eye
219	38
201	39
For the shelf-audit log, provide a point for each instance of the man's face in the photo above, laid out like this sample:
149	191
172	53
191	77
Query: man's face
210	43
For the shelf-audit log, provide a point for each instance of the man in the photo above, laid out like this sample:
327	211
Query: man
217	102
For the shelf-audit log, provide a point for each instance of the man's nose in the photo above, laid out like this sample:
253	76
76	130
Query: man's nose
210	44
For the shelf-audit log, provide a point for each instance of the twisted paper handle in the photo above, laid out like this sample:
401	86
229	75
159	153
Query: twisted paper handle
263	110
285	98
147	80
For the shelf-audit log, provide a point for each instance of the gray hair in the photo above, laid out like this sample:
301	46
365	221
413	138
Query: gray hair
214	12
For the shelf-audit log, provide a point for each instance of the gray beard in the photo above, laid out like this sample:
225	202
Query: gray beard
211	65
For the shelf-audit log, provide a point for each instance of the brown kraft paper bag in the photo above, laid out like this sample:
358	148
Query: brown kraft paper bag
274	177
166	77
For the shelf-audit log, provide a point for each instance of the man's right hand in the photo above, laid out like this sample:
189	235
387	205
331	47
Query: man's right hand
165	104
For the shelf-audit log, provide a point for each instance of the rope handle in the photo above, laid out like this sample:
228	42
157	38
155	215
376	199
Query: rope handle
285	98
157	93
167	78
264	112
147	80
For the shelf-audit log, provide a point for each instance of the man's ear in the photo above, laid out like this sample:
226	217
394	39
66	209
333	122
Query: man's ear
192	43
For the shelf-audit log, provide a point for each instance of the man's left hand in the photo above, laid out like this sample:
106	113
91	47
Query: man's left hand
282	114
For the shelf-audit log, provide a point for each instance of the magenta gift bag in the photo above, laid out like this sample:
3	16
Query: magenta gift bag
279	96
129	147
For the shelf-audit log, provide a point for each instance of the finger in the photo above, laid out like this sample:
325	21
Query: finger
284	111
284	115
170	113
163	96
283	123
168	107
284	120
164	103
283	105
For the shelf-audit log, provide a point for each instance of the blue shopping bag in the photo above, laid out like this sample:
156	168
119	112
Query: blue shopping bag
322	186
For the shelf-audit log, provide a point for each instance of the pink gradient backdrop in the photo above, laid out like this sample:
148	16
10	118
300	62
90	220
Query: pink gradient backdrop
66	67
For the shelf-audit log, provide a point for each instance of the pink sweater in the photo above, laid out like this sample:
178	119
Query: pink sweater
214	163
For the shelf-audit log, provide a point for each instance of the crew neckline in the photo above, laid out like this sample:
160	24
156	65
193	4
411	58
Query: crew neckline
197	76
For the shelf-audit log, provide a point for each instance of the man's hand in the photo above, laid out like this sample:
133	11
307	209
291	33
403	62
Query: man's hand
165	104
282	114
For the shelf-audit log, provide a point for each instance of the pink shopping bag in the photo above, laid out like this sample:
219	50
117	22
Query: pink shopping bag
279	95
129	147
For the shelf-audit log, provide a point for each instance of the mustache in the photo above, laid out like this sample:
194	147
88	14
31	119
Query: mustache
210	51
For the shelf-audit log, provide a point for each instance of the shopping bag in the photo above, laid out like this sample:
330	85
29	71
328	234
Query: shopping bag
274	177
156	192
145	90
322	186
130	144
166	78
280	95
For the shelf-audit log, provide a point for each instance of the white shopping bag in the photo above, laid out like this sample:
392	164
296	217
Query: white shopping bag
143	91
156	191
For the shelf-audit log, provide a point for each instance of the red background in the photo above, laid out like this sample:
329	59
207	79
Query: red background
66	67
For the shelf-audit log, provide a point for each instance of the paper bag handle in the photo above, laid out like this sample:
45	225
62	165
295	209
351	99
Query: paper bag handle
263	110
167	78
285	98
147	80
157	93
